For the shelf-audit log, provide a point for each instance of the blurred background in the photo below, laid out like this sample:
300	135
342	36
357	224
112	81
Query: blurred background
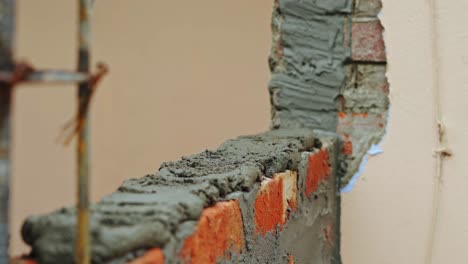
184	77
187	75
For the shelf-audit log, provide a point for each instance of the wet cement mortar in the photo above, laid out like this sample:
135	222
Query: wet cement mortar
302	236
313	80
157	210
308	69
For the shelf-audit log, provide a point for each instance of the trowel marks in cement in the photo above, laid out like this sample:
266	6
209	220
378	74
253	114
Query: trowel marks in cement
157	210
328	73
328	69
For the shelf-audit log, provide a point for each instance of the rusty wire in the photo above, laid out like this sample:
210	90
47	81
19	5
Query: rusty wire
11	74
24	72
85	91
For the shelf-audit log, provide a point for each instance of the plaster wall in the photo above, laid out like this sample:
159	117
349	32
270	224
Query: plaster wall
386	218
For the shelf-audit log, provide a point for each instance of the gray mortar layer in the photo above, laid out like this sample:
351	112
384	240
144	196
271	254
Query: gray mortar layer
160	210
307	79
156	210
302	235
312	73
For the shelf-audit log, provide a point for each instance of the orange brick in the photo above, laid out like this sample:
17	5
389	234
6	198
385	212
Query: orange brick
273	200
153	256
219	232
347	145
317	170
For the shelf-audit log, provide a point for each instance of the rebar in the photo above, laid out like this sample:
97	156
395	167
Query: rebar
83	254
12	73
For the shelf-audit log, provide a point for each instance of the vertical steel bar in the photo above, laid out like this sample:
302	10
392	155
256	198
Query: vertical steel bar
84	90
6	64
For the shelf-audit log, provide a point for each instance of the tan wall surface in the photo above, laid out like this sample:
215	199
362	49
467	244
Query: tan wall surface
386	219
186	76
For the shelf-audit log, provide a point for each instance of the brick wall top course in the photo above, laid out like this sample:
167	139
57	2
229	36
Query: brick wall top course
156	210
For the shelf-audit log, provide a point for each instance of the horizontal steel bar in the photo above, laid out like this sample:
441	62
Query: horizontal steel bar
28	74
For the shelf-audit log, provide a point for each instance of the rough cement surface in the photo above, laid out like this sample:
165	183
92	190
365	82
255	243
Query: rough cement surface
315	80
365	89
151	211
309	72
314	85
312	234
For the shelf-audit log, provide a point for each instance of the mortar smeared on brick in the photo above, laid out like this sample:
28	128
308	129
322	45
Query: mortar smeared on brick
328	66
328	75
148	212
308	75
301	234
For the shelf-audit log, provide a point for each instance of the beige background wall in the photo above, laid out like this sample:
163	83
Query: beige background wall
386	219
186	76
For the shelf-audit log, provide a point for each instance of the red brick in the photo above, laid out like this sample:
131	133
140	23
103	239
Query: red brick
269	206
275	197
317	170
347	145
153	256
218	233
350	122
367	41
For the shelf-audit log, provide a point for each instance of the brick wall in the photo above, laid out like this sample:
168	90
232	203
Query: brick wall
364	105
288	214
278	212
267	198
328	67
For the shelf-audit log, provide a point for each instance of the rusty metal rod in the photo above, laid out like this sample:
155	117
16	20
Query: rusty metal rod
12	74
53	76
6	63
58	76
83	248
50	76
